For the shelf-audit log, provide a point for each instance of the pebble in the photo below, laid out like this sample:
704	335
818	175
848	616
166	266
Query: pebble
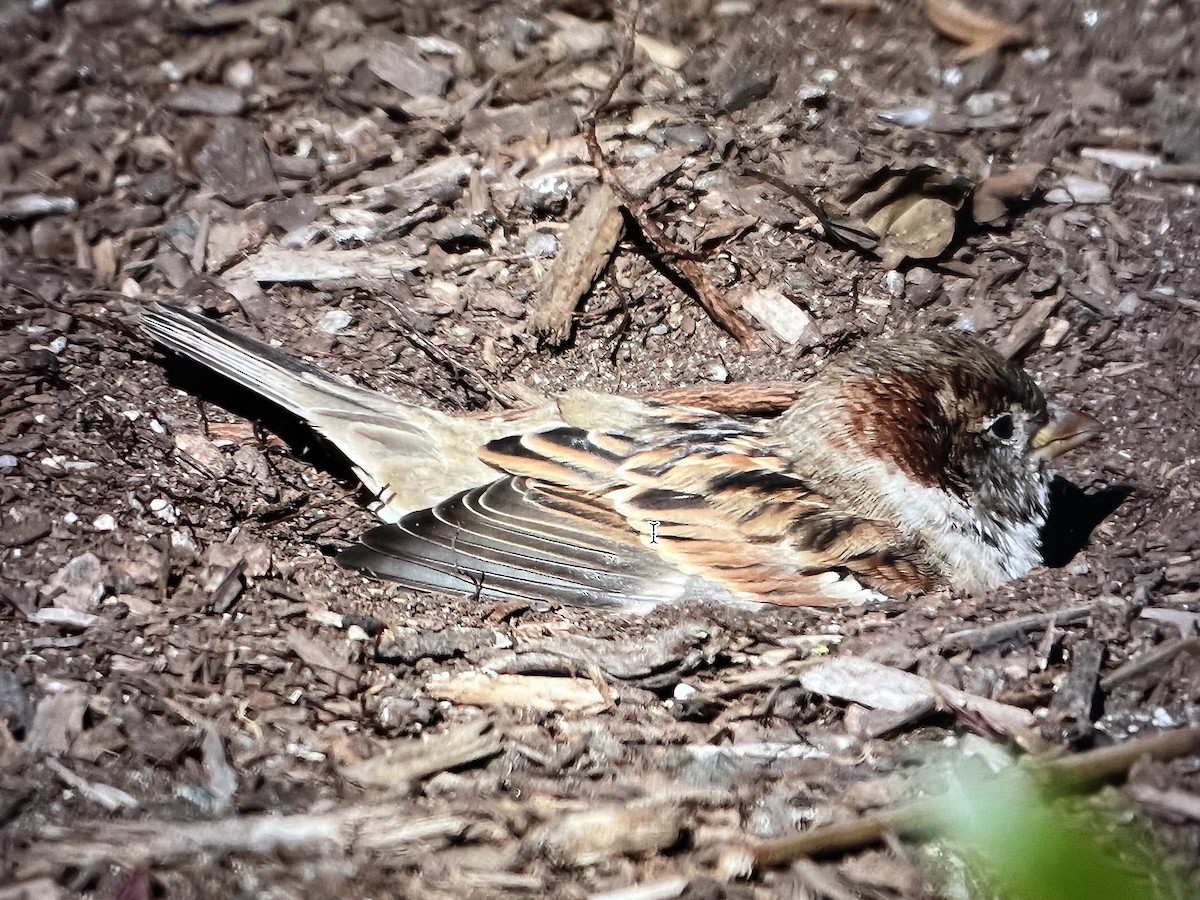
239	75
334	321
718	373
540	244
683	691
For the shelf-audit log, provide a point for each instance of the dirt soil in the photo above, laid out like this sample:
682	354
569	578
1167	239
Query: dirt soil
195	700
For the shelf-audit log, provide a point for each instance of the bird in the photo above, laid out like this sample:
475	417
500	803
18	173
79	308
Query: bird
910	465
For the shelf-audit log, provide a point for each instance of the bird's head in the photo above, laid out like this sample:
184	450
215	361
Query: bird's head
949	414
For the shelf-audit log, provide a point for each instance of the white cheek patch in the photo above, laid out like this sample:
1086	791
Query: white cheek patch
949	529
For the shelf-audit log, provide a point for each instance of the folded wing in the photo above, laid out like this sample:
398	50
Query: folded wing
687	504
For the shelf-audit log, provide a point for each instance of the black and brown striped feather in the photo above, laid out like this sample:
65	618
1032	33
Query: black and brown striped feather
688	499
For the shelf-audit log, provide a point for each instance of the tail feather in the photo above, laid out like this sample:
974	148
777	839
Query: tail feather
408	457
297	386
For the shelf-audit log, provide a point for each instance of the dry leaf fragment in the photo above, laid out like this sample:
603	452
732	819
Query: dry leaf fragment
913	228
980	32
990	200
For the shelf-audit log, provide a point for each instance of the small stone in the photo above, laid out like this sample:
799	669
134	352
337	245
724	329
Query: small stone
683	691
540	245
164	510
104	522
1056	332
1129	304
78	585
718	373
986	103
240	76
334	321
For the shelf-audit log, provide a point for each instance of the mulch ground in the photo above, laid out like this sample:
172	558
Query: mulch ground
196	701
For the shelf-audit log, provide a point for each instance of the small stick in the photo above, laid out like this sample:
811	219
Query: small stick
840	836
1148	661
977	638
1068	774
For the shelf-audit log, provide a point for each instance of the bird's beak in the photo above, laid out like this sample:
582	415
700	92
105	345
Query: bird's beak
1066	431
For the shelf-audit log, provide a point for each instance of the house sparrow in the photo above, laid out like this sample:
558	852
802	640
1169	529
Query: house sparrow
910	465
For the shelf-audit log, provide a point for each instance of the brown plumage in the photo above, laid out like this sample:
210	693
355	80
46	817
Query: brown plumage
911	465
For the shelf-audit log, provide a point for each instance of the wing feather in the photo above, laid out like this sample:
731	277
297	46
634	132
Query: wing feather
685	503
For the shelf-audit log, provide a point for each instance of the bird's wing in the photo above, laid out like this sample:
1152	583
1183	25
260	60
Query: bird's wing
687	504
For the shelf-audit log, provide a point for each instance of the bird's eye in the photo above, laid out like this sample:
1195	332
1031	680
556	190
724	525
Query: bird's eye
1002	426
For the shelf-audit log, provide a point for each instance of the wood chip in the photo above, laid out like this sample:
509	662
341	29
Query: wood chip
626	660
340	675
1071	708
63	617
583	252
362	827
34	206
404	68
885	687
528	691
1151	661
663	889
781	316
1027	330
1079	190
234	163
78	585
288	266
1126	160
57	720
599	835
406	763
222	779
1173	801
106	795
669	56
33	889
207	100
987	635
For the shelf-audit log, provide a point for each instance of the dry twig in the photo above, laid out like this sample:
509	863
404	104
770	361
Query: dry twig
685	260
1079	772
